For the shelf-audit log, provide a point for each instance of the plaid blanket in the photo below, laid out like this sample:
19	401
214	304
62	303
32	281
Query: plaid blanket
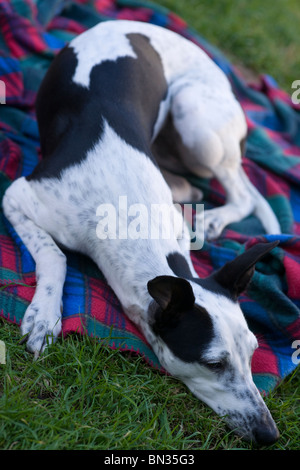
32	32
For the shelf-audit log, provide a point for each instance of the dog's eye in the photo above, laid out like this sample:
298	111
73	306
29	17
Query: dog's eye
215	366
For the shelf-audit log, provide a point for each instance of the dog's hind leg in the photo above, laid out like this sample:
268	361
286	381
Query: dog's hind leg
42	320
212	129
182	190
242	199
262	209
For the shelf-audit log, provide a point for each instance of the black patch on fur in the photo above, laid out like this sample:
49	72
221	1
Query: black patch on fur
186	328
236	275
209	283
180	267
126	92
187	334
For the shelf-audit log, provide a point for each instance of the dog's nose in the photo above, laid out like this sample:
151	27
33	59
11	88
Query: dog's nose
265	436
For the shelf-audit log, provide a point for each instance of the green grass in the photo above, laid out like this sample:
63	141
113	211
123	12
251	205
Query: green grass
84	396
81	396
262	36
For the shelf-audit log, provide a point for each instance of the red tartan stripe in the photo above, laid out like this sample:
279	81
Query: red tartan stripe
66	25
176	23
14	84
103	5
8	254
139	14
20	36
202	263
268	184
293	150
105	307
277	94
264	360
292	272
17	290
296	228
15	49
10	161
294	330
72	325
5	127
32	40
276	185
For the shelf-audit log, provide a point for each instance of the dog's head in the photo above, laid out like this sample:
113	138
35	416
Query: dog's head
202	338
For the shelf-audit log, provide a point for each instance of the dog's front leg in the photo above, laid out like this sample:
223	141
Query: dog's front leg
42	320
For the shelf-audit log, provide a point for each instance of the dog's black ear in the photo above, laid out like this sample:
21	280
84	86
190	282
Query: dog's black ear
236	275
170	291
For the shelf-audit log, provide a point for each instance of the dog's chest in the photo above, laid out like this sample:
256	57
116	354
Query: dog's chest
68	205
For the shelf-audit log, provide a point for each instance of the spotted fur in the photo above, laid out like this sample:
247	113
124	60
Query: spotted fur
108	98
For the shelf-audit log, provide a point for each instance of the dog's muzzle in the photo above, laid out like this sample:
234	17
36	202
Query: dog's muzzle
260	430
266	432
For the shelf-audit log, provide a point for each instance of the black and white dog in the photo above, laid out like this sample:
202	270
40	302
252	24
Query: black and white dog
105	103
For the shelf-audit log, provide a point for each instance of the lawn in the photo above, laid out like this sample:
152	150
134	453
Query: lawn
261	36
81	395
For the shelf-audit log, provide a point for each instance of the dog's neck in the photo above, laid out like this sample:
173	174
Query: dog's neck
132	290
131	286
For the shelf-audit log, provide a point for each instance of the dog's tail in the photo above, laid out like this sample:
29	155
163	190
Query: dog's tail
262	209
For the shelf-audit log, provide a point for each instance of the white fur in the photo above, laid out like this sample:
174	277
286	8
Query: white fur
68	213
180	57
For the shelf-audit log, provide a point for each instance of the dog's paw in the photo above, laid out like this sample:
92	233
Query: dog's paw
213	225
40	326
